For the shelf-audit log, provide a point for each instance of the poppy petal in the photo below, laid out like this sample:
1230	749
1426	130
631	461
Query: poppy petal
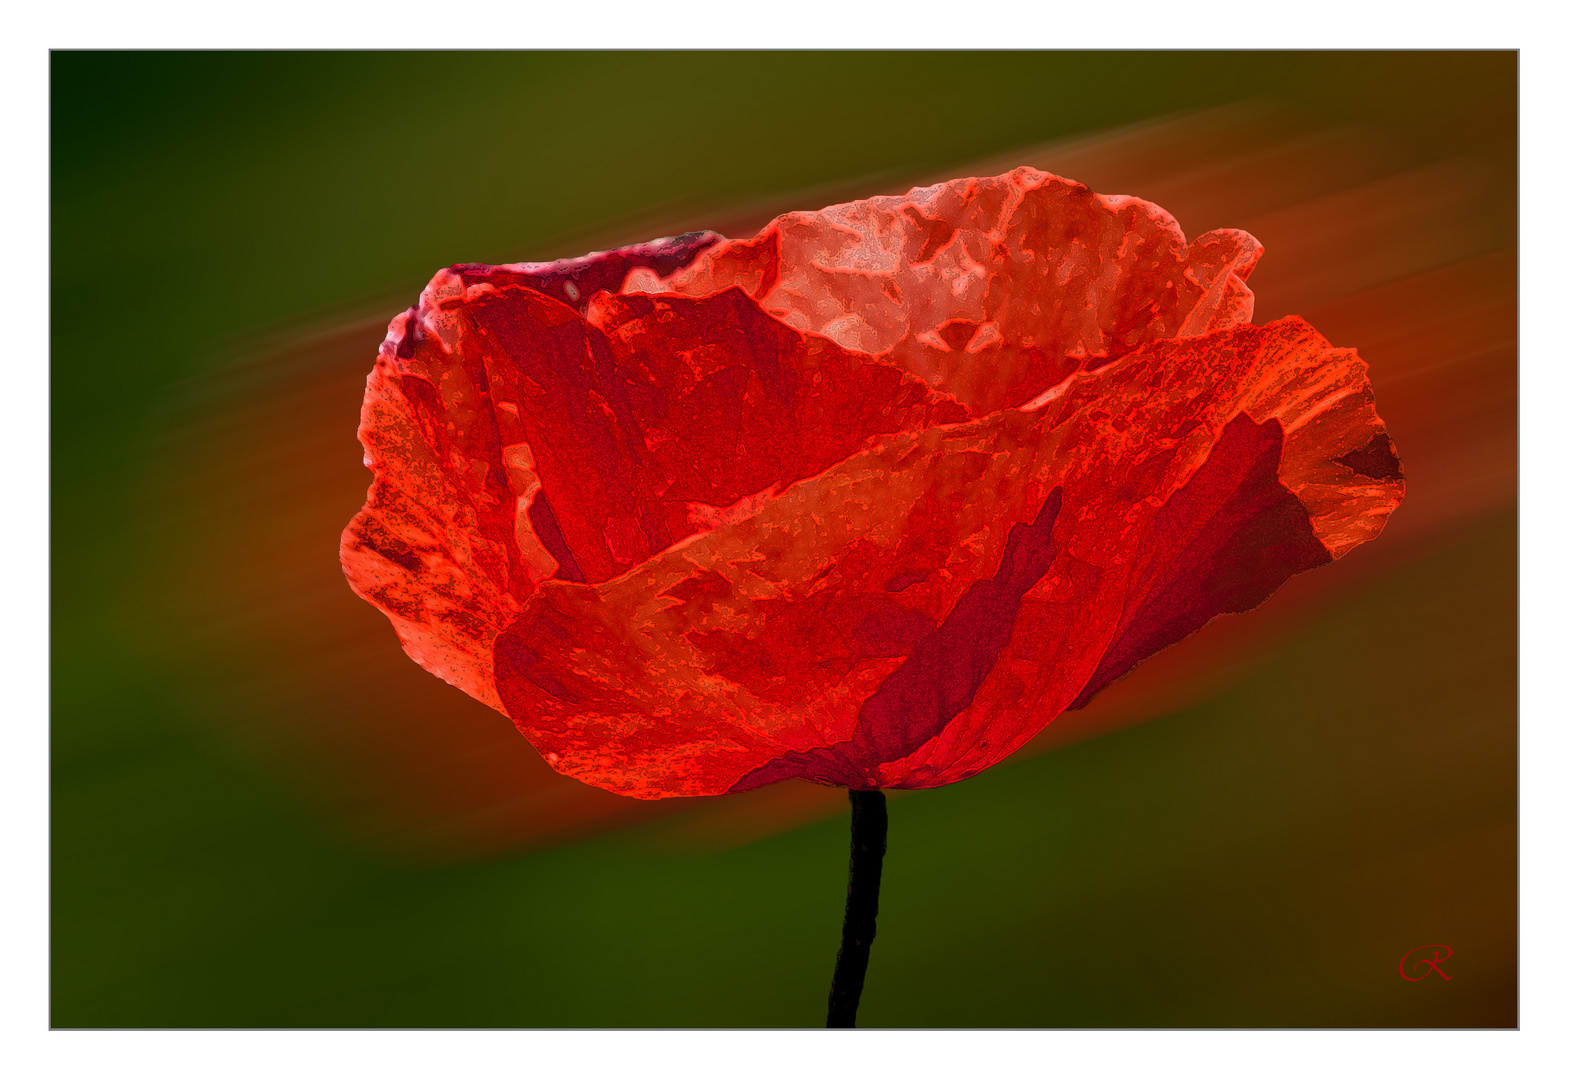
438	545
919	610
513	434
656	418
575	281
433	546
991	289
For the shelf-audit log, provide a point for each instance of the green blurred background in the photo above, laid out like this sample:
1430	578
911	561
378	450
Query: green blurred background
231	233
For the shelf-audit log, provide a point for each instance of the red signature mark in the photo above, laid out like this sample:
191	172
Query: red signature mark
1424	962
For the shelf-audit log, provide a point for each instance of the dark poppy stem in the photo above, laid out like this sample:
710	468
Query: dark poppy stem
868	843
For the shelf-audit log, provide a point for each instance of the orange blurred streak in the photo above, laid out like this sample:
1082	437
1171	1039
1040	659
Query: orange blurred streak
1398	257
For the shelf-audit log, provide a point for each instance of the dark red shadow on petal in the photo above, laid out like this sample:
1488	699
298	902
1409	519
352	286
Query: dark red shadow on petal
538	649
654	417
543	519
1376	460
941	676
574	281
1221	544
559	391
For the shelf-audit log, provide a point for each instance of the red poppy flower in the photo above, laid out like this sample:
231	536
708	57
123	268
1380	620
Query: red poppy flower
866	499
